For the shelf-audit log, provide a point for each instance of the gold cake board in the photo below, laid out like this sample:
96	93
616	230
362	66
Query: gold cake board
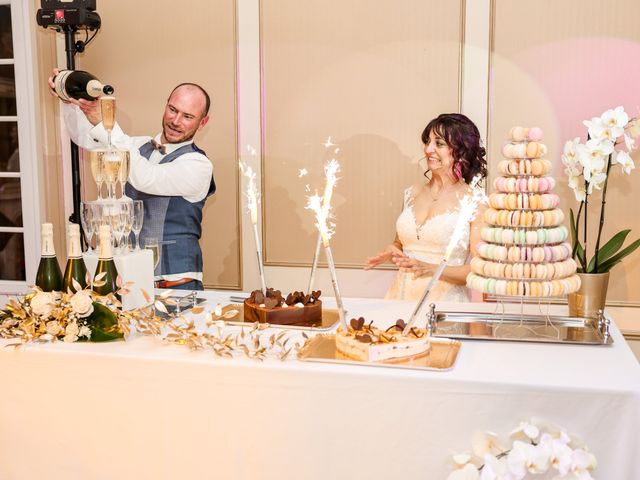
441	356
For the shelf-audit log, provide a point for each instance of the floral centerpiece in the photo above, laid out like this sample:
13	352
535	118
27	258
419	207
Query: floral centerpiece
49	316
46	317
536	449
588	165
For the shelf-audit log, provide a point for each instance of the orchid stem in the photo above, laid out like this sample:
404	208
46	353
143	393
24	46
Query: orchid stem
604	202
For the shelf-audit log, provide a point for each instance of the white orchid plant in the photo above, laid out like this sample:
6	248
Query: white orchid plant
536	449
588	166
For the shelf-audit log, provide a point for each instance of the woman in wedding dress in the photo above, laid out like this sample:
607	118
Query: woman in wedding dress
453	157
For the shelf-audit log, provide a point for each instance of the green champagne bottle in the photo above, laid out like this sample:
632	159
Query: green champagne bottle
49	276
76	268
106	264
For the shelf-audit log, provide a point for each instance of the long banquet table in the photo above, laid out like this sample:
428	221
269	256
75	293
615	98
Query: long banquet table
145	409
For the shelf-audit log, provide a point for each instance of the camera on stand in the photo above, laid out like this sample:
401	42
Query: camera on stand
63	15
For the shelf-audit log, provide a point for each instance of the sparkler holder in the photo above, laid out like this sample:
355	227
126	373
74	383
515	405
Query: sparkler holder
256	237
336	289
314	264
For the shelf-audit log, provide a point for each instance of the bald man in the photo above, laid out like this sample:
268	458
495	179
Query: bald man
169	173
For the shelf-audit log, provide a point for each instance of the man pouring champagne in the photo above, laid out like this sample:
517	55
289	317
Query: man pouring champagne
169	173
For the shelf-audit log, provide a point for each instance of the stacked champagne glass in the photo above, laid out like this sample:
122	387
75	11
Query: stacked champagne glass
110	168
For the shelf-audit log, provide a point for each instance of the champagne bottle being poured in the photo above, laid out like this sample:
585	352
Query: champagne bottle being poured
79	84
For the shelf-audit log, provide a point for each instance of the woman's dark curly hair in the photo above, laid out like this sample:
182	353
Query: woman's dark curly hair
462	135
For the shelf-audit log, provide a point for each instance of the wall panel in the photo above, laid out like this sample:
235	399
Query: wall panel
562	63
370	75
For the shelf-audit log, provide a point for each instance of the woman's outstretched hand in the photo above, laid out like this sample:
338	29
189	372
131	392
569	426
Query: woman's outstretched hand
382	257
418	268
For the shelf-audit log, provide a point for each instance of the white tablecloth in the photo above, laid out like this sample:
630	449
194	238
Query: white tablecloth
141	409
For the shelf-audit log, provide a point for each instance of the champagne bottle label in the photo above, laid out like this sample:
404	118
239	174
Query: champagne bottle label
95	88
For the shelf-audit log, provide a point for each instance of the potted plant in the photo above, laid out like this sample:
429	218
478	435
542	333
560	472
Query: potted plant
588	166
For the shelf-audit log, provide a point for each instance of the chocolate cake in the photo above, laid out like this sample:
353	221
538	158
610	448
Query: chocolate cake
297	309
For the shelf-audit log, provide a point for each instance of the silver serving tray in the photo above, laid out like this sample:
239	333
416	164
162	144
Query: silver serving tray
520	328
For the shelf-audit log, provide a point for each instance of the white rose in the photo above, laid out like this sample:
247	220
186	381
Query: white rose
42	304
82	304
71	332
53	328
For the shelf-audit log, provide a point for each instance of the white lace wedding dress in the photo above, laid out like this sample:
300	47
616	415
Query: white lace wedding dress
427	243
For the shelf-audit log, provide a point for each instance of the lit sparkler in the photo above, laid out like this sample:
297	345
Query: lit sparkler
331	170
252	204
468	209
325	227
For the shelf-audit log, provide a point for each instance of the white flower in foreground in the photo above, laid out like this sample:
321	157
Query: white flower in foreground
493	468
468	472
483	443
615	120
581	463
53	327
526	458
42	304
625	161
82	304
559	453
71	332
525	431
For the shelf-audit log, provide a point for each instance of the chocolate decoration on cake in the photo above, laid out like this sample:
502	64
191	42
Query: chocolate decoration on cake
357	324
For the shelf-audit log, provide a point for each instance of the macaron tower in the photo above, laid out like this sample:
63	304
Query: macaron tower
524	249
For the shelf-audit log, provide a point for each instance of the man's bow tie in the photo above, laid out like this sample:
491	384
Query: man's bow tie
158	146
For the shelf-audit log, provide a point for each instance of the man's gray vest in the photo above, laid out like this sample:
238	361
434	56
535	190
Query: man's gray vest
174	221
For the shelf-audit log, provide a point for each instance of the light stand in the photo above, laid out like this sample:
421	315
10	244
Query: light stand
71	48
67	16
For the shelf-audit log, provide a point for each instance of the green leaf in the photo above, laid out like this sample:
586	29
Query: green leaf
103	324
613	261
608	249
